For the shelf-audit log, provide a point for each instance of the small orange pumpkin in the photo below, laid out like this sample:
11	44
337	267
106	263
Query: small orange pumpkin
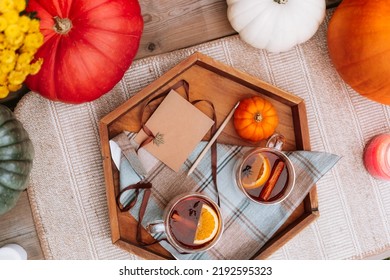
255	119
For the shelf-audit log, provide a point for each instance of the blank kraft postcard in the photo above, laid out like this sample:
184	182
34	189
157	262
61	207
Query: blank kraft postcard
178	126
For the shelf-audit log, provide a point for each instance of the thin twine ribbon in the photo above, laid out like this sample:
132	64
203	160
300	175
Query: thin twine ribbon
146	186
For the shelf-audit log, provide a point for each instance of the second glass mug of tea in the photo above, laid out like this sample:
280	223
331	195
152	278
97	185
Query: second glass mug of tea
192	222
266	175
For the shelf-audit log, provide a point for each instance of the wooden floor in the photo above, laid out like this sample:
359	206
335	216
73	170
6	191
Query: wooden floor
17	226
169	25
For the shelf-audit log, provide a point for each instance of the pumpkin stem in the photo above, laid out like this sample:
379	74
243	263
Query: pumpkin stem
62	25
281	1
258	117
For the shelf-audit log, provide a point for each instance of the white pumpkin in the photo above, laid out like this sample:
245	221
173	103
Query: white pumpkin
276	25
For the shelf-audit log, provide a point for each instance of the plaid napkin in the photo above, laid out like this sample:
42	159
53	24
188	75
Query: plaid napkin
247	225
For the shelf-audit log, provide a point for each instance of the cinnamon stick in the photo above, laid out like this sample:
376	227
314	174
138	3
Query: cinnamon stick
269	186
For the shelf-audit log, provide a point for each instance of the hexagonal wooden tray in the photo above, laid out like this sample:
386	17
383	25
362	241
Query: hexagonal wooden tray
224	86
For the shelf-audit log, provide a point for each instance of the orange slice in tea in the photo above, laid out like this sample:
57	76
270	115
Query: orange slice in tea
208	225
255	172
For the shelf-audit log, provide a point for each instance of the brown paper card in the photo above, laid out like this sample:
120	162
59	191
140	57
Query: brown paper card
179	127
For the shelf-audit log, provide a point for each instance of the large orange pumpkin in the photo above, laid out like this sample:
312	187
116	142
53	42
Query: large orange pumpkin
359	46
255	119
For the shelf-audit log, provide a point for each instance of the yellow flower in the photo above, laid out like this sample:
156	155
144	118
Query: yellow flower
16	77
24	23
20	5
3	91
3	23
12	31
25	58
23	67
7	67
14	87
3	78
8	56
33	40
3	43
20	38
34	26
17	42
6	5
11	16
36	66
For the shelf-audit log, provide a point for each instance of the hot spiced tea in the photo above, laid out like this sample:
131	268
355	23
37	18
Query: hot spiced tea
194	222
264	176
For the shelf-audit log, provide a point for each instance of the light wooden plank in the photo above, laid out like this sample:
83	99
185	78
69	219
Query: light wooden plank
17	226
172	25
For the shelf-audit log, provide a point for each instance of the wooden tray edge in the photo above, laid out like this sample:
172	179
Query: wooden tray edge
108	178
247	80
152	87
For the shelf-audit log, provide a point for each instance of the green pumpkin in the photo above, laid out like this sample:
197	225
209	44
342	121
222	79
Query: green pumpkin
16	157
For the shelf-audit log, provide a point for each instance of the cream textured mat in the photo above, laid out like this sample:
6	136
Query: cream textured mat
67	189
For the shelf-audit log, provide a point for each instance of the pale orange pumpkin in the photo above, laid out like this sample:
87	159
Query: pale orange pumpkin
359	46
255	119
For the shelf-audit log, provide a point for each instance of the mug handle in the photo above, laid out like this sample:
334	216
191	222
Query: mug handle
276	141
155	227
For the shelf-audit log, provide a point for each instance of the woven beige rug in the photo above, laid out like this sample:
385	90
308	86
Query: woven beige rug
67	189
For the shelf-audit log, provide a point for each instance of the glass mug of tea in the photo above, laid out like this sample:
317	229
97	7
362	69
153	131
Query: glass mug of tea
192	222
266	175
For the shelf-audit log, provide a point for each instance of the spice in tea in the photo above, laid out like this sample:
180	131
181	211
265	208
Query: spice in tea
275	184
193	222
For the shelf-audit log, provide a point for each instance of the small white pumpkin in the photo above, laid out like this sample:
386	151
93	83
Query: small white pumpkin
276	25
